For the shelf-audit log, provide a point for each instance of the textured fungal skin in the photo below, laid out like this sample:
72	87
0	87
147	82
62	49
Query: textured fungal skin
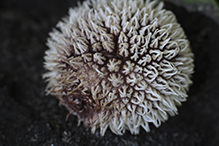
120	64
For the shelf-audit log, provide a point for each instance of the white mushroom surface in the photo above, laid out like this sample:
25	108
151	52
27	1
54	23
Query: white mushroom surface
121	64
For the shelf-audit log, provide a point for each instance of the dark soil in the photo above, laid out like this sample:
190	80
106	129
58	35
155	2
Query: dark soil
30	118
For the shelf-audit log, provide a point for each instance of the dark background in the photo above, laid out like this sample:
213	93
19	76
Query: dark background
29	118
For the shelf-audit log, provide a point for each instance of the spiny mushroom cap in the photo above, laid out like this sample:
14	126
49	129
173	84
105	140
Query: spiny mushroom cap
121	64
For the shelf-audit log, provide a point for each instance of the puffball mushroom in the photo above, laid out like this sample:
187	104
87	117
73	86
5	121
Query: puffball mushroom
120	64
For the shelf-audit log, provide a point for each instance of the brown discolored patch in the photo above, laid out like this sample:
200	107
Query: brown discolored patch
84	105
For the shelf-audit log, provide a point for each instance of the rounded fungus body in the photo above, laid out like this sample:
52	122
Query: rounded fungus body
120	64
